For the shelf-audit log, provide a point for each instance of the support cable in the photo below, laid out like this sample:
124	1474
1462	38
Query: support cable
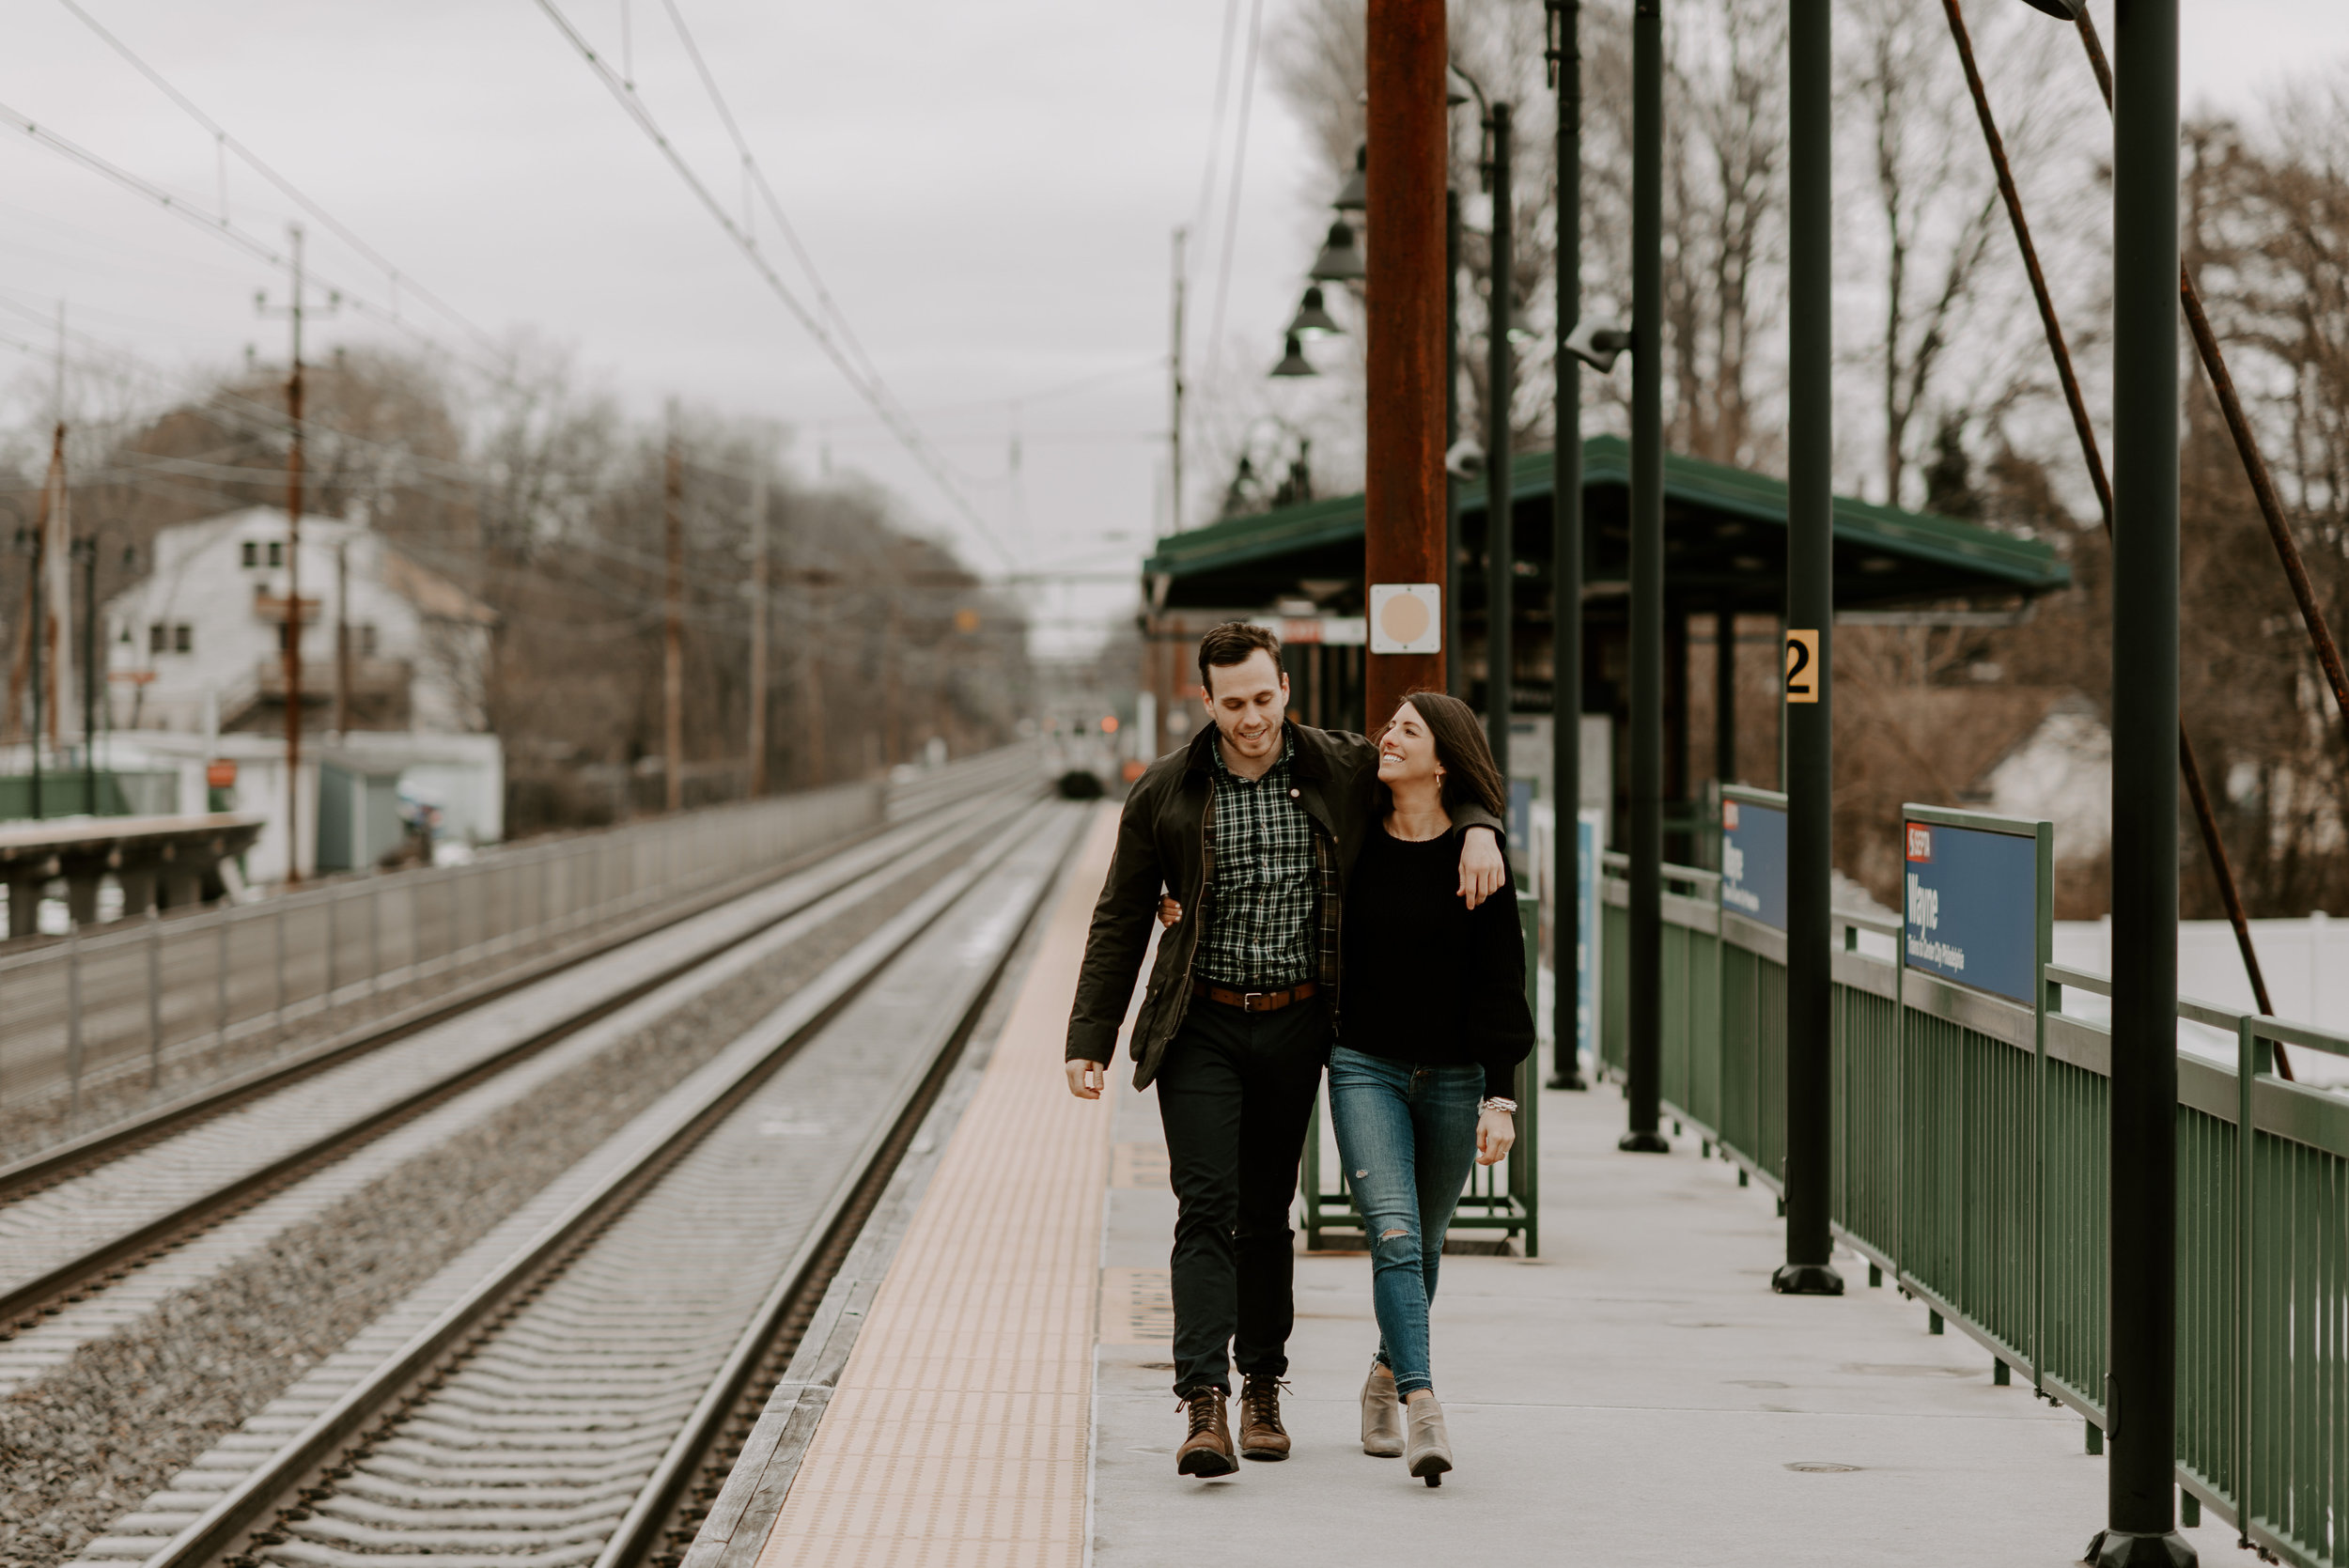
2239	426
2214	845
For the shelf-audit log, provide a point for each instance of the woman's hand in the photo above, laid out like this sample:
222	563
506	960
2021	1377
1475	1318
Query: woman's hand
1495	1131
1170	912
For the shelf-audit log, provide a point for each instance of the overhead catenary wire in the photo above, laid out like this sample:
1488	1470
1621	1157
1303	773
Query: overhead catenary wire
869	388
217	225
1231	197
226	143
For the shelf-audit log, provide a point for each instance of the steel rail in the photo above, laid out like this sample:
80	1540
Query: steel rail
125	1248
21	1177
284	1480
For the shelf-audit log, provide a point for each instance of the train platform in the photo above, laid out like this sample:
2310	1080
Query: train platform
986	1381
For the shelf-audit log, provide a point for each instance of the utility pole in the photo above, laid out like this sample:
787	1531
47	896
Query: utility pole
1501	534
342	637
2141	1408
759	627
292	635
673	623
1403	496
85	555
1566	569
1174	412
1810	628
1643	1052
1455	670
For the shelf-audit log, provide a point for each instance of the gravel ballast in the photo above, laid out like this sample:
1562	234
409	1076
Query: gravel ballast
126	1413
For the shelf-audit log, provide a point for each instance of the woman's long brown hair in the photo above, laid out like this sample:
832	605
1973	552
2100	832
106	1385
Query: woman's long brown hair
1469	774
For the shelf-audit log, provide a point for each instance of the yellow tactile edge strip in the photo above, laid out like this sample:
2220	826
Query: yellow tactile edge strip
960	1428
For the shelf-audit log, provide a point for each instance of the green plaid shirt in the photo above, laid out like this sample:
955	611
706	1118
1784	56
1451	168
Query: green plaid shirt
1273	881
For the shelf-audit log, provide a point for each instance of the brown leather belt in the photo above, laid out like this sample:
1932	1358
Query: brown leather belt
1254	1001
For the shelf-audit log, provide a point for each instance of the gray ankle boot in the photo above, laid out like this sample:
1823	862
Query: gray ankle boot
1382	1414
1430	1448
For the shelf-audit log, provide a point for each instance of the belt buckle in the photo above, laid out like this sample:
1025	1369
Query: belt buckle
1248	1000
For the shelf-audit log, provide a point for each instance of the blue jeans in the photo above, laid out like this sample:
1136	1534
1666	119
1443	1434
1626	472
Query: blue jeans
1408	1135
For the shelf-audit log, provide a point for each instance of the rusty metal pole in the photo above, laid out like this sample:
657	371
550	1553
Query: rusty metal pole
672	626
1403	485
293	580
759	595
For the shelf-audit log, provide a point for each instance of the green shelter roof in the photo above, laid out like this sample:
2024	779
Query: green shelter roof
1725	535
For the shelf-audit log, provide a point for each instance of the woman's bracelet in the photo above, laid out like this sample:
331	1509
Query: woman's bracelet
1494	1102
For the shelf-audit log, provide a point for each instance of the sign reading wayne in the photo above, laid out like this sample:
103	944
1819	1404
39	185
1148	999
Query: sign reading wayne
1972	901
1753	861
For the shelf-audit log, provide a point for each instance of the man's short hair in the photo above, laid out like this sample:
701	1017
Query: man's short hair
1232	643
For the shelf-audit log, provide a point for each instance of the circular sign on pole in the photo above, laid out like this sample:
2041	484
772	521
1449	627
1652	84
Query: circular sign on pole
1406	618
220	774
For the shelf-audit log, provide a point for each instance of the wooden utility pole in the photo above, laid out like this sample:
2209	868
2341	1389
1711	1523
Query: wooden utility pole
342	639
673	628
758	628
1403	488
293	579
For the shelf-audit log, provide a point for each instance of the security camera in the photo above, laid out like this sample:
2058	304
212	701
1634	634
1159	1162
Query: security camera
1596	345
2067	11
1466	460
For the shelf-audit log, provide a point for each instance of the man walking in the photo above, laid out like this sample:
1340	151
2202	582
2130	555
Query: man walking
1253	827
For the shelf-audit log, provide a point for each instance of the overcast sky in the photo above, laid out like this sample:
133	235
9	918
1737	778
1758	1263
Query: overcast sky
988	189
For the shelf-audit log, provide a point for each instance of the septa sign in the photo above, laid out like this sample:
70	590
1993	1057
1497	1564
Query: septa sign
1753	861
1971	906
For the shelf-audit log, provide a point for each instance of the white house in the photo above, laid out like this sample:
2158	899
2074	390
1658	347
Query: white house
199	643
2059	772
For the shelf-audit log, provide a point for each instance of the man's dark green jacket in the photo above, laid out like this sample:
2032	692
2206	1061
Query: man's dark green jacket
1162	847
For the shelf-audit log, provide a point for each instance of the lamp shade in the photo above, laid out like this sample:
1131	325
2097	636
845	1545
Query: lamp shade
1294	362
1341	259
1312	320
1354	195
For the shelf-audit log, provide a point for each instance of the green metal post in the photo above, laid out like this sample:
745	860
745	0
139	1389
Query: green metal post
1501	544
1645	971
1525	1165
1810	606
2140	1399
1566	569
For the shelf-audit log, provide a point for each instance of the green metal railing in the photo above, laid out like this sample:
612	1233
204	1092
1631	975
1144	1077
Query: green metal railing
1969	1165
1505	1197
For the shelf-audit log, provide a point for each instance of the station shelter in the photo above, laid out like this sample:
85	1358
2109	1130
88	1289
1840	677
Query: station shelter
1299	569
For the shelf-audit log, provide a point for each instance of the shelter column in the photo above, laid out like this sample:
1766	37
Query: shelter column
1565	567
1810	617
1402	483
2141	1395
1643	1051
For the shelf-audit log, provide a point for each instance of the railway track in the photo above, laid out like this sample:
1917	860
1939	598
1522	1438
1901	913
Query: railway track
555	1396
70	1235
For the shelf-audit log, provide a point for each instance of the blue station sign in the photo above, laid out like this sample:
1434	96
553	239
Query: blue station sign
1971	901
1753	859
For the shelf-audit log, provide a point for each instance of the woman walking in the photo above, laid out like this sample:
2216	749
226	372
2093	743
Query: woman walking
1432	1022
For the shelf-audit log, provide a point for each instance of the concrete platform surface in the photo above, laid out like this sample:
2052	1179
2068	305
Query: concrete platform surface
1635	1395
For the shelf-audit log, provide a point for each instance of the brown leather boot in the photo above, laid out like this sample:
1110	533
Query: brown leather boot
1261	1435
1208	1449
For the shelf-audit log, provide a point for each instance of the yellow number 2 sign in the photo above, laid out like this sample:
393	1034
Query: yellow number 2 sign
1802	666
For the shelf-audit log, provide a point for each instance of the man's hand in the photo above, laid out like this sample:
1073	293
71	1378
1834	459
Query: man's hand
1482	869
1170	912
1496	1130
1086	1080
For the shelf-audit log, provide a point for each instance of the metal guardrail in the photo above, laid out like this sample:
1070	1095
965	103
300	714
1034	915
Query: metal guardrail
1970	1164
104	1004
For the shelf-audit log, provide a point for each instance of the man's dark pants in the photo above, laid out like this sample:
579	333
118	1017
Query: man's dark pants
1235	1093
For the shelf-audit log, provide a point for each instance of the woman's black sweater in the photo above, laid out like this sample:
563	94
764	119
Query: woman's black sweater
1427	980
